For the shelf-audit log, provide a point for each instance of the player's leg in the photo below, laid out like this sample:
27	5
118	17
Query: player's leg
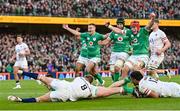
111	63
45	80
81	63
128	66
43	98
94	70
78	68
121	58
153	64
16	77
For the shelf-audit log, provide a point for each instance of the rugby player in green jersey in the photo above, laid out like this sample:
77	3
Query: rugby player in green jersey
140	44
119	49
91	39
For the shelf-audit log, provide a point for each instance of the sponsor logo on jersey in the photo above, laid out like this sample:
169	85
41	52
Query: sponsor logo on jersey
135	40
120	38
90	43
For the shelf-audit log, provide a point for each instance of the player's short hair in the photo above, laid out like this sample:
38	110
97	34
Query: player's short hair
18	36
92	24
156	20
89	78
120	20
135	24
136	75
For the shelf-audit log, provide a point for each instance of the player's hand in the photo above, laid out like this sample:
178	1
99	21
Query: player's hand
11	60
107	24
21	54
159	52
100	42
65	26
78	29
152	15
107	35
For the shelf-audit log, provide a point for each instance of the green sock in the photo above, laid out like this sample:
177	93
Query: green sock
127	80
127	89
86	73
112	76
116	76
99	78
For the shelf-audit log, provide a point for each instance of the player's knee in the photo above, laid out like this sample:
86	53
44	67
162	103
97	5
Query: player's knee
128	66
119	63
141	65
112	68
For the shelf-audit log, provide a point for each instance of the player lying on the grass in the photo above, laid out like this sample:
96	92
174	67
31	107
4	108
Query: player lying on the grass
80	87
155	88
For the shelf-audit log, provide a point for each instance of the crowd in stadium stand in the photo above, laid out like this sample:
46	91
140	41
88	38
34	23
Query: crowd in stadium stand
165	9
60	52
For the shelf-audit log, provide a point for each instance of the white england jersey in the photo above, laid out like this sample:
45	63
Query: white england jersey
18	49
165	89
156	41
80	88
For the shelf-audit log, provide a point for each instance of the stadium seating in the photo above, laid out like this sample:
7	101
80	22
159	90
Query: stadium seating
60	52
165	9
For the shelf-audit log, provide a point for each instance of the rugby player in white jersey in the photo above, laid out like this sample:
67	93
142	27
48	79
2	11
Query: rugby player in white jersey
22	51
79	88
159	43
152	87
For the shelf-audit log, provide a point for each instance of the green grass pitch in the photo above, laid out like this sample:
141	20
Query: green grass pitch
30	88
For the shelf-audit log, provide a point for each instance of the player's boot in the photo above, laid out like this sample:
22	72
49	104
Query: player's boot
14	98
98	84
20	71
167	73
17	87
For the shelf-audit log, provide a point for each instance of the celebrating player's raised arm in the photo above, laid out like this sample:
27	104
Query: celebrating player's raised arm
114	29
75	32
151	22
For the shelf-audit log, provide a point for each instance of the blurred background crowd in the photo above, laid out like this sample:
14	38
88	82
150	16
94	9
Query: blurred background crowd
60	52
165	9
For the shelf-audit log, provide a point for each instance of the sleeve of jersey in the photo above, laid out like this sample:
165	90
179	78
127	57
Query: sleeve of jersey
25	46
111	36
128	34
83	35
144	90
163	36
146	32
102	37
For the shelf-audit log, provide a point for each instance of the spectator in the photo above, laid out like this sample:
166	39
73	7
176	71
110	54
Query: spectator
60	52
165	9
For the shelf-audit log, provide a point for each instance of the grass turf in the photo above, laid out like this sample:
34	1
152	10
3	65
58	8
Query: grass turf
30	88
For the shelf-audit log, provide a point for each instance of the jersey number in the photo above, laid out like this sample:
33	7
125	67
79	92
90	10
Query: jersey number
84	87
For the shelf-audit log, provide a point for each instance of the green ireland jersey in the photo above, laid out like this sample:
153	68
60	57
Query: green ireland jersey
93	48
83	52
140	42
121	42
